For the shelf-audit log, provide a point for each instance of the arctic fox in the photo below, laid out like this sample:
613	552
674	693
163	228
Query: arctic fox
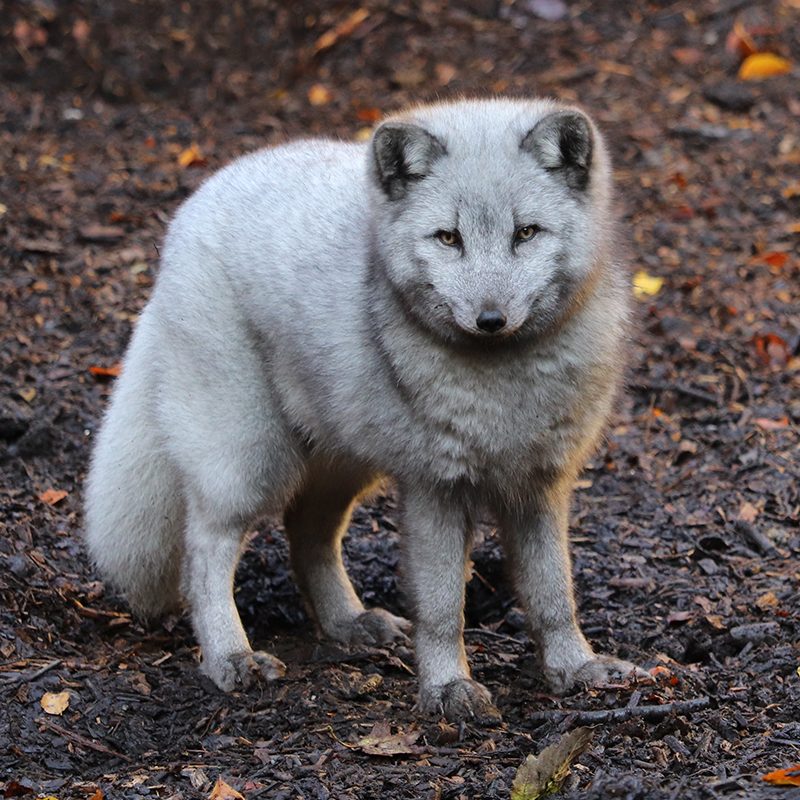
442	306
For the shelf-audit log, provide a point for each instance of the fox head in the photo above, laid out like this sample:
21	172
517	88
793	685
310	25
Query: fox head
490	216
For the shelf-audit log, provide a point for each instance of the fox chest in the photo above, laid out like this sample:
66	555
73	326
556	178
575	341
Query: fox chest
495	428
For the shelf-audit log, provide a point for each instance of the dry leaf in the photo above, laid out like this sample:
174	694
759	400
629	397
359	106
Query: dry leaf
747	513
767	600
543	774
739	41
101	233
763	65
222	791
191	157
772	424
380	741
53	496
369	114
106	372
27	394
319	95
776	259
646	285
771	349
55	703
784	777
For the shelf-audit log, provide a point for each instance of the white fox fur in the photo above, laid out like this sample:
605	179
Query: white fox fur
316	324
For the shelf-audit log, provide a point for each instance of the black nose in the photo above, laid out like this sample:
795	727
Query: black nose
491	321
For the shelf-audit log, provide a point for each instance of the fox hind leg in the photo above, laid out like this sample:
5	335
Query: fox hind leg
316	521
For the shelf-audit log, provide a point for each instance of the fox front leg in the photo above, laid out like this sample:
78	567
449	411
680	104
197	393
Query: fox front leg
437	545
538	549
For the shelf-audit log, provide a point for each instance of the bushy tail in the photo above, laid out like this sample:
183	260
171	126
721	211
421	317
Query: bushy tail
134	508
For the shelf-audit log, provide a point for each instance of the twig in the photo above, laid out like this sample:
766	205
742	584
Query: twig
23	677
621	714
83	740
493	634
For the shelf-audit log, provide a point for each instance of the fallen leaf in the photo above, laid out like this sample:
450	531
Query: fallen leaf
192	157
763	65
344	28
97	794
53	496
784	777
27	394
445	73
715	621
222	791
775	259
55	703
747	513
688	56
771	349
106	372
646	285
739	41
368	114
543	774
380	741
101	233
772	424
767	600
319	95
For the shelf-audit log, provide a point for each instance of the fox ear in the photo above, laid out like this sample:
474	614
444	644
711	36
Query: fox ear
403	153
563	141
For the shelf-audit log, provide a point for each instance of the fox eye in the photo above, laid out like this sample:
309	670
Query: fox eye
526	233
449	238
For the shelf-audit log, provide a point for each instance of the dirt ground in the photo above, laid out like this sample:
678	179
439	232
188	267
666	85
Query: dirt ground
685	523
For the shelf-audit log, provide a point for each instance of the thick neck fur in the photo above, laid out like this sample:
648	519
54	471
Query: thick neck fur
499	416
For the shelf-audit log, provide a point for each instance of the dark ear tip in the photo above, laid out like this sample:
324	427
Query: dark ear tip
563	139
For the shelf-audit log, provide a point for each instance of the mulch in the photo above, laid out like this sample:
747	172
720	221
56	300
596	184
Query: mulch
685	524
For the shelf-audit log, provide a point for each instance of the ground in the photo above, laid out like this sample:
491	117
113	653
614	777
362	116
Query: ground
685	523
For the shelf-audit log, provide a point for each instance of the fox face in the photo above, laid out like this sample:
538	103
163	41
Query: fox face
489	236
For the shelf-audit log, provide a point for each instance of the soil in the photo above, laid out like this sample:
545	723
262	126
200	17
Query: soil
685	523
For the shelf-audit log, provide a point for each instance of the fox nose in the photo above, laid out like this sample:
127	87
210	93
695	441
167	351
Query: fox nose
491	321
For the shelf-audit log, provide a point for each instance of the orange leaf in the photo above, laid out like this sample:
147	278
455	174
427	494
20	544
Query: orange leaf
192	157
106	372
319	95
763	65
771	349
775	259
369	114
784	777
222	791
53	496
772	424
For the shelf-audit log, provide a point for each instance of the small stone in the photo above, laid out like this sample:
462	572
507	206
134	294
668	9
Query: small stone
730	96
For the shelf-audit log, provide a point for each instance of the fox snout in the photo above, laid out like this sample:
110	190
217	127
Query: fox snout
491	320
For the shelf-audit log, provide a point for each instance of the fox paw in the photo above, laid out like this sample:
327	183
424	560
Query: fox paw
462	700
376	627
597	671
239	670
601	670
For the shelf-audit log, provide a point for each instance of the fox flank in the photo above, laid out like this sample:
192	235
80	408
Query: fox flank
442	306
